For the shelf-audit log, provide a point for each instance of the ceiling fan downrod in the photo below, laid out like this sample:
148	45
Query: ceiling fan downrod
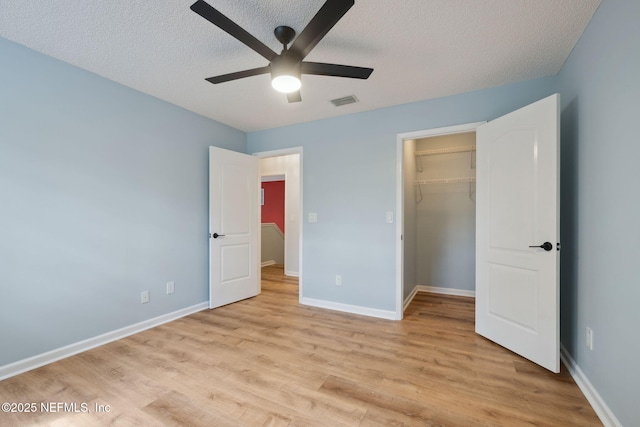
284	35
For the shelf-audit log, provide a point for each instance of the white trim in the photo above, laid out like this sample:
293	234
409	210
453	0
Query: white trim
278	153
273	178
274	226
448	130
597	403
291	273
347	308
39	360
400	139
410	298
447	291
267	263
399	226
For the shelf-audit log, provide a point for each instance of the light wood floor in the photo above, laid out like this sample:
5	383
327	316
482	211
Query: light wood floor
269	361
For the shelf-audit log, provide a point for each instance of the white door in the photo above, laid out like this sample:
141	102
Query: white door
234	227
517	207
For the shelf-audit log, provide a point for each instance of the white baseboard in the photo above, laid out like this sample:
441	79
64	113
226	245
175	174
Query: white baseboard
446	291
347	308
409	298
39	360
602	410
267	263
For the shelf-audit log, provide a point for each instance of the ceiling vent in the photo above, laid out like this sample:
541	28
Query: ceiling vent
338	102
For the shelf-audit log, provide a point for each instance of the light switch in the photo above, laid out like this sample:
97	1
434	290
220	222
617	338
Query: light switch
389	217
313	217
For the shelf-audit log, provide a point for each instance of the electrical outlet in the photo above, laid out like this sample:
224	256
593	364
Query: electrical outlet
171	287
589	338
338	280
144	297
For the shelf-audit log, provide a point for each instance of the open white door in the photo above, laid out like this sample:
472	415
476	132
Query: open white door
234	227
518	207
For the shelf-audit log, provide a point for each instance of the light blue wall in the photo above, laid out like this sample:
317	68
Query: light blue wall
600	85
103	194
349	178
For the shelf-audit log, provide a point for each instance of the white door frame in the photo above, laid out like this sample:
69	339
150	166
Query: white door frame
400	139
286	152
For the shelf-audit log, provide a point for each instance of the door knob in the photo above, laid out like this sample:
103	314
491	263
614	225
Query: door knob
547	246
216	235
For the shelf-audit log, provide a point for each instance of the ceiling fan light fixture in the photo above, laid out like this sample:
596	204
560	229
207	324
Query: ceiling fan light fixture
286	67
285	74
286	83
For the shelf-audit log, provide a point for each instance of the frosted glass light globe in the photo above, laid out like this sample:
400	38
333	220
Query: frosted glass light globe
286	84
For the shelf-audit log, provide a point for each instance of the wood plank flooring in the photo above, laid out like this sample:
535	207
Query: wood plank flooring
269	361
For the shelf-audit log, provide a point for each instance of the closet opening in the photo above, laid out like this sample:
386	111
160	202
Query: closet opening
438	229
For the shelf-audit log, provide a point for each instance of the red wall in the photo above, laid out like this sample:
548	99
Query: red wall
273	208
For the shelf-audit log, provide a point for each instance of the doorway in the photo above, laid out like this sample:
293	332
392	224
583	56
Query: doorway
444	209
286	165
272	219
517	223
436	197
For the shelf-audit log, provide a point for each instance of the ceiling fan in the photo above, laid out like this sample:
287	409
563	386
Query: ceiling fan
286	67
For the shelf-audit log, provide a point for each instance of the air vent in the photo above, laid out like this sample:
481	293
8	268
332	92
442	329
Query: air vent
338	102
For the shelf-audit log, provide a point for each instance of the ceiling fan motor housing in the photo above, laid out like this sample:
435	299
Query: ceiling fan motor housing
286	67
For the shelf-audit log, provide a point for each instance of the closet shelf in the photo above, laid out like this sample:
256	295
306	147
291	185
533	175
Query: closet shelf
445	181
446	151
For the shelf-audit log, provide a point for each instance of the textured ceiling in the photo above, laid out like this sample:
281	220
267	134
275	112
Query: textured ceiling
419	49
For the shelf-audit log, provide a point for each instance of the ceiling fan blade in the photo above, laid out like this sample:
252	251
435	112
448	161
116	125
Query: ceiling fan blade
328	15
239	75
218	19
294	97
335	70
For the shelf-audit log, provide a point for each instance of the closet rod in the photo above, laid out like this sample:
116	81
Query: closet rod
446	150
444	181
